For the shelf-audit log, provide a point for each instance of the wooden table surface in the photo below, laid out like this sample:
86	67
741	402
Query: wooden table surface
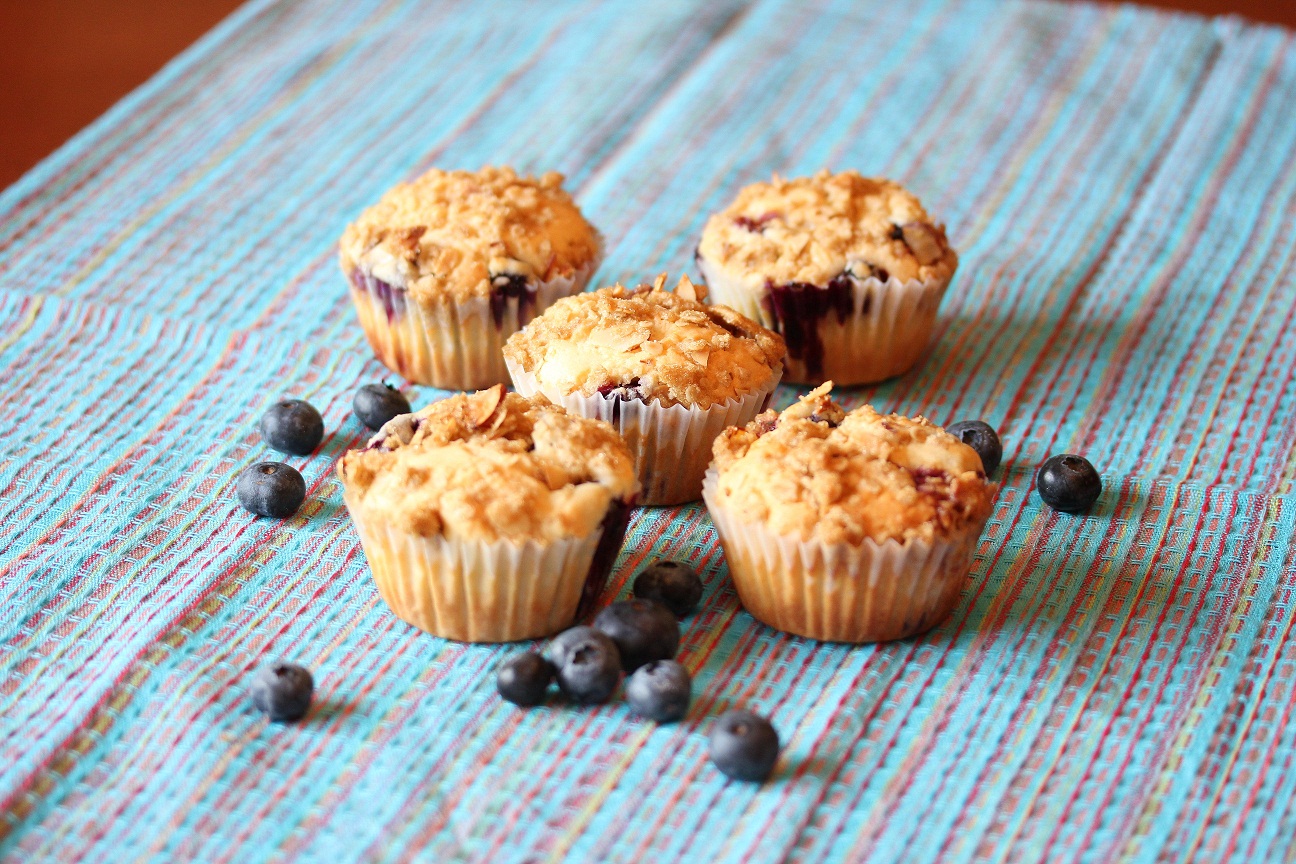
66	61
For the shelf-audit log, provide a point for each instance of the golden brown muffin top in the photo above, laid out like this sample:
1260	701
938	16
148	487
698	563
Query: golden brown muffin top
490	466
647	343
817	472
813	229
452	234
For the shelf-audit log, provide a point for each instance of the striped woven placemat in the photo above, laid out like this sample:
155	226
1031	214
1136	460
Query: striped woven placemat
1120	185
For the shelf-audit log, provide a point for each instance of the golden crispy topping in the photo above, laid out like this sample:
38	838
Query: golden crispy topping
449	234
816	471
488	466
653	343
813	229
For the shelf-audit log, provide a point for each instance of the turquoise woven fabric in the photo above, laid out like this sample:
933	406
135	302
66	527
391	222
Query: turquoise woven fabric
1121	186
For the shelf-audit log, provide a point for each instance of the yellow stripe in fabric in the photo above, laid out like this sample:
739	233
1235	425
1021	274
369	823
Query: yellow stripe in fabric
33	310
1222	777
1222	658
577	827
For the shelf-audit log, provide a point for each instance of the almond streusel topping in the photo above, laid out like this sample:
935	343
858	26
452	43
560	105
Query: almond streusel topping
816	471
647	343
489	466
813	229
453	233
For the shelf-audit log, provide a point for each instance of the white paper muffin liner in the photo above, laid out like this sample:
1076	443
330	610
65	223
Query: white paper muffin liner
671	444
841	592
886	333
451	345
479	591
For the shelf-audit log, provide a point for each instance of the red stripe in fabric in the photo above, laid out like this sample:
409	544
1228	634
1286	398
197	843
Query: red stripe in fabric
96	711
1145	654
1216	629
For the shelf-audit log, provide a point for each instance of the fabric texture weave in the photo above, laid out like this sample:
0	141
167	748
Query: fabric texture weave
1121	187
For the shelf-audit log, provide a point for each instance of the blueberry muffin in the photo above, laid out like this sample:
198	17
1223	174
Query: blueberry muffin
848	527
850	269
443	269
490	517
667	370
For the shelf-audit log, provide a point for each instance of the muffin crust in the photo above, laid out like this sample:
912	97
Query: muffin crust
811	230
817	472
461	234
647	343
490	466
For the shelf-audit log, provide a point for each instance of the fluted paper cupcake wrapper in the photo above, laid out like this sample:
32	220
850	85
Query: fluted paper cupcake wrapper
885	334
841	592
451	345
671	444
477	591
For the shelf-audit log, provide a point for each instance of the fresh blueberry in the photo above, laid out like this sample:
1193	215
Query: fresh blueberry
673	584
524	679
591	666
292	426
981	438
375	404
744	746
1068	483
283	691
560	647
660	691
643	631
271	489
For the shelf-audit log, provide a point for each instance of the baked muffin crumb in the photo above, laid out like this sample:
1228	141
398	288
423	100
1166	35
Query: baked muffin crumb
815	471
647	343
811	230
490	465
465	234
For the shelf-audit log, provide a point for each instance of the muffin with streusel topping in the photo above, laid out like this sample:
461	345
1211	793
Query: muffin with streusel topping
667	370
847	527
850	269
444	268
490	517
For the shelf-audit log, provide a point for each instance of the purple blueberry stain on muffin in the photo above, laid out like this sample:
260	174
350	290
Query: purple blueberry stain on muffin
755	225
798	307
616	393
511	286
614	525
867	270
629	391
925	479
390	296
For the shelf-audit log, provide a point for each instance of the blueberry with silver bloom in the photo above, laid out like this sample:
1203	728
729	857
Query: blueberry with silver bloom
375	404
643	631
292	426
1068	483
591	667
271	489
744	746
983	439
673	584
560	647
660	690
282	691
524	679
